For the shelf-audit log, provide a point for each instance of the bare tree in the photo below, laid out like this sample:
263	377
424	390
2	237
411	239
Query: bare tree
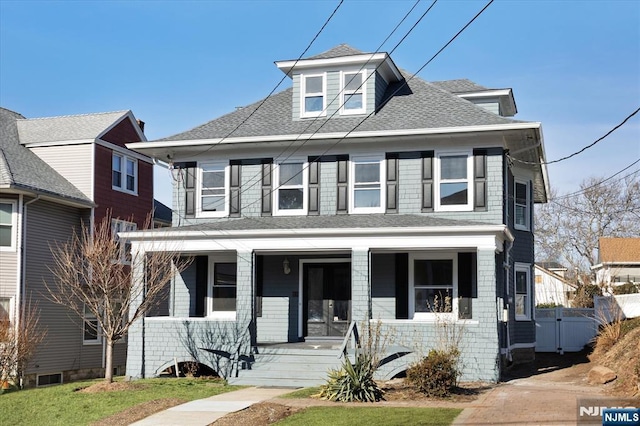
569	226
90	276
18	342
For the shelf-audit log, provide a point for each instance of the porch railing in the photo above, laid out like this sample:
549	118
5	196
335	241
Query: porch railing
352	331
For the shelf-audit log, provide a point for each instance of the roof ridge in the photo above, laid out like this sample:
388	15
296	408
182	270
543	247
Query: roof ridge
76	115
12	111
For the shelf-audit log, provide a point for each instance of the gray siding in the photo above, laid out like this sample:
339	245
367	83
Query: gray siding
380	89
328	185
49	224
279	320
383	290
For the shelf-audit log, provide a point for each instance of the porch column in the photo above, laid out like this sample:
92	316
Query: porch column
360	285
485	341
135	335
244	295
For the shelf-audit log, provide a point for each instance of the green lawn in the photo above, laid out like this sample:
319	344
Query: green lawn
388	416
63	405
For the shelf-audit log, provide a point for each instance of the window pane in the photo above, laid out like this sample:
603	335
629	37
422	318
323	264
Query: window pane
213	179
4	308
367	172
313	84
224	298
131	167
5	236
90	330
290	199
521	193
521	215
521	282
353	101
5	213
116	163
521	303
453	167
313	104
432	300
453	193
432	272
213	203
131	183
352	82
116	179
366	198
290	174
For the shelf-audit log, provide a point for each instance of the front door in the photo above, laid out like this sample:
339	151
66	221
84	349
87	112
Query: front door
326	299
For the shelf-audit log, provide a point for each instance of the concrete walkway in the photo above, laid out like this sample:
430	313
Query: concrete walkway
203	412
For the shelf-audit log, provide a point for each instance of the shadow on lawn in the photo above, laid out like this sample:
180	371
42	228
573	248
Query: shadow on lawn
545	363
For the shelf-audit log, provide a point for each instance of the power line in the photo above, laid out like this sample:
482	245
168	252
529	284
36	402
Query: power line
401	87
603	181
583	149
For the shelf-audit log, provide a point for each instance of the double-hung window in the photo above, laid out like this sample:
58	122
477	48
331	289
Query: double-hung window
433	279
118	225
367	189
124	173
523	291
522	205
291	193
222	288
454	191
8	223
353	90
313	95
91	334
214	184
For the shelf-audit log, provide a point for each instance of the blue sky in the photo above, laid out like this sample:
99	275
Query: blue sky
573	65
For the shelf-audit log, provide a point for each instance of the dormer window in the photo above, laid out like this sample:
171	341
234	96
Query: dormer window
314	95
353	100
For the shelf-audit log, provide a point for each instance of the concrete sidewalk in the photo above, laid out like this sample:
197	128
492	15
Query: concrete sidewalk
203	412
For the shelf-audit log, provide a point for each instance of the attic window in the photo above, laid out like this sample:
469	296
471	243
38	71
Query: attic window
313	99
353	99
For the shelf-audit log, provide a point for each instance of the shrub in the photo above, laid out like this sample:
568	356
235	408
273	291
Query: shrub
626	288
436	374
585	294
352	382
548	305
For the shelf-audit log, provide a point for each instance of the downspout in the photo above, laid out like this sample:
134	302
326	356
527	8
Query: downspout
507	256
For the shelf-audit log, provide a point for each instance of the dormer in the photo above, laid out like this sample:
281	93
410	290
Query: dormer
342	81
497	101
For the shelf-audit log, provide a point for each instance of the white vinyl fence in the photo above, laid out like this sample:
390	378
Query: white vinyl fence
624	306
564	329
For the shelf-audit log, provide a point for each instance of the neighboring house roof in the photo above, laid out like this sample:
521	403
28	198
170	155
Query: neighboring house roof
619	250
21	169
552	274
161	212
67	127
551	265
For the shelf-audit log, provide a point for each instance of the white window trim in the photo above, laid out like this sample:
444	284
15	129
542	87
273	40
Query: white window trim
217	164
522	267
123	173
527	216
14	224
352	183
221	315
469	180
344	96
117	226
305	188
303	95
88	316
433	316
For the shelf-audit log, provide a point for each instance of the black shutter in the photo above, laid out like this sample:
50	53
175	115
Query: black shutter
402	286
392	184
343	185
267	186
234	189
202	268
480	179
467	284
427	181
314	186
188	173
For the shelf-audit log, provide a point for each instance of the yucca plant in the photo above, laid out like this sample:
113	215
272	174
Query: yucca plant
353	382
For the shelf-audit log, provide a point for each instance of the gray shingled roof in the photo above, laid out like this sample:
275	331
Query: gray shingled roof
337	52
420	105
22	169
462	85
374	221
67	127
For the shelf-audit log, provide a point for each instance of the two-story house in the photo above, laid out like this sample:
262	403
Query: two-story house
56	175
359	193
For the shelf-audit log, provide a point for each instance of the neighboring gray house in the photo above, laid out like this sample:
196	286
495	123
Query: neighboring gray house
357	194
57	174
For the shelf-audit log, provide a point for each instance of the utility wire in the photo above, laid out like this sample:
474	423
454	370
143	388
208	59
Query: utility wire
572	194
581	150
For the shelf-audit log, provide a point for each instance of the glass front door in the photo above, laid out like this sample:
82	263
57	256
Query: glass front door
327	299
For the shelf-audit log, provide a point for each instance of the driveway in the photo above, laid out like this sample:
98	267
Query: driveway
547	392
